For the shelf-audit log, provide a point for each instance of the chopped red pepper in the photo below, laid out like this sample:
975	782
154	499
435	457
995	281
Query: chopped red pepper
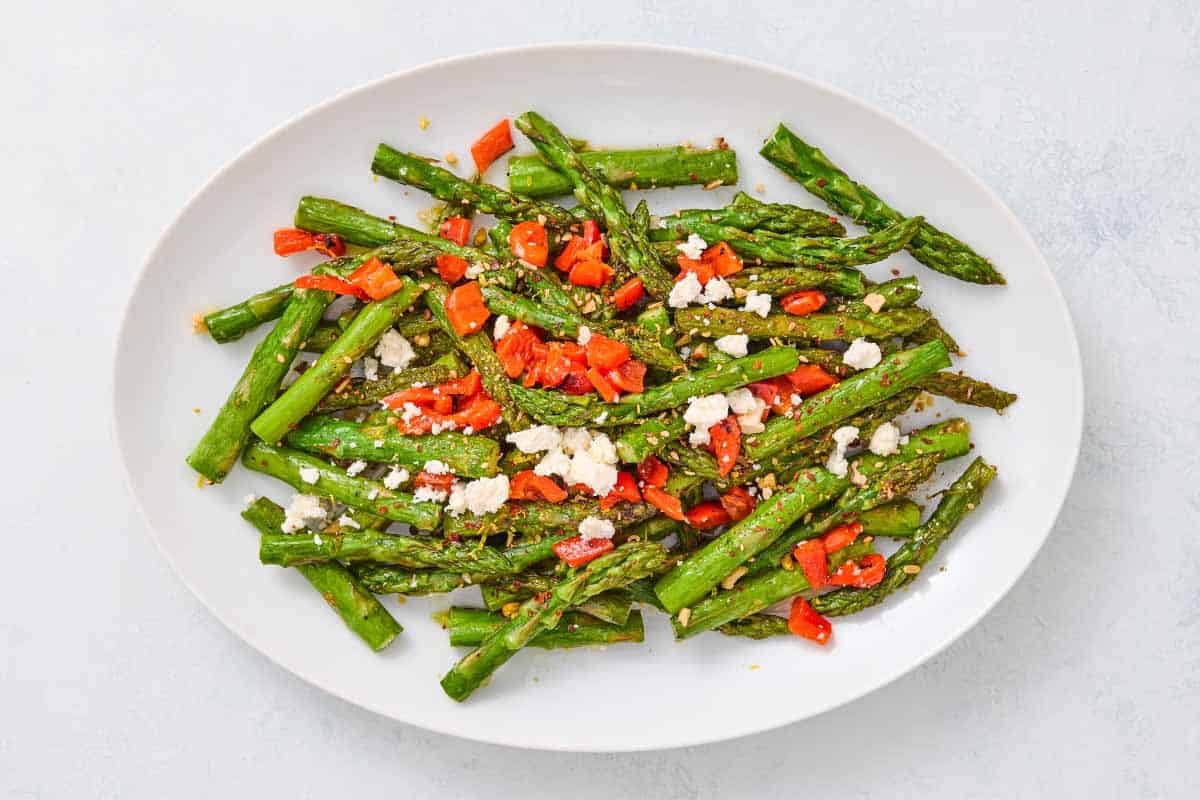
629	377
703	270
602	386
528	485
567	257
455	229
841	536
466	309
707	515
590	273
724	261
529	242
628	294
667	504
725	442
626	489
810	555
606	353
376	279
289	241
809	379
591	231
866	573
330	283
577	382
802	303
478	413
652	472
493	144
466	386
440	482
451	269
807	623
577	551
515	348
738	503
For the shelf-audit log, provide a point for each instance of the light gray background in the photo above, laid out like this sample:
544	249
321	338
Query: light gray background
1083	682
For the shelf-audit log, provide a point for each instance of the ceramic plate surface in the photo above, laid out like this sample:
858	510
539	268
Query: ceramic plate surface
660	694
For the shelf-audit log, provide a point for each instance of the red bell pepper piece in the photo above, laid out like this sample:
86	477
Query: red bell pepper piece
591	231
802	303
606	353
493	144
626	489
652	472
376	279
602	386
668	504
724	261
707	515
288	241
810	555
866	573
738	503
466	309
841	536
703	270
528	485
725	442
577	551
628	294
590	273
530	243
455	229
807	623
440	482
809	379
577	382
629	377
330	283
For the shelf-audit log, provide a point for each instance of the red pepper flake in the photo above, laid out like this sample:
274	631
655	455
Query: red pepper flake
821	182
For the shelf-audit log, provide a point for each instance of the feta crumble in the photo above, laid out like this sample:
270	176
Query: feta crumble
248	501
555	462
596	475
704	412
758	303
596	528
584	336
371	368
503	323
734	344
430	494
575	439
303	509
396	477
346	521
474	270
693	248
394	350
355	468
537	439
310	474
874	301
717	290
601	449
436	467
741	401
842	438
685	291
862	354
483	496
885	441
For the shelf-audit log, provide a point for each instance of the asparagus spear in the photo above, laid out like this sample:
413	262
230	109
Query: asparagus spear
713	323
934	248
570	411
629	562
388	579
218	450
445	185
893	375
361	392
357	607
468	627
290	466
611	607
903	565
628	246
316	382
467	456
756	626
541	518
649	438
764	247
477	347
747	214
933	331
624	169
778	281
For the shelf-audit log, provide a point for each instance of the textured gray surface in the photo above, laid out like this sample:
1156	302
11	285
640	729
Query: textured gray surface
114	681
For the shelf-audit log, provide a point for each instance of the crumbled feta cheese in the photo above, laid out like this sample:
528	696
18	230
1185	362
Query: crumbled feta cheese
685	352
346	521
685	291
248	500
474	270
862	354
430	494
436	467
371	495
411	412
874	301
555	462
317	540
584	336
394	350
396	477
693	248
734	344
842	438
310	474
716	290
483	496
602	449
752	423
601	417
596	528
303	509
447	425
885	441
537	439
575	439
594	474
758	303
356	467
371	368
704	412
741	401
503	323
378	443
